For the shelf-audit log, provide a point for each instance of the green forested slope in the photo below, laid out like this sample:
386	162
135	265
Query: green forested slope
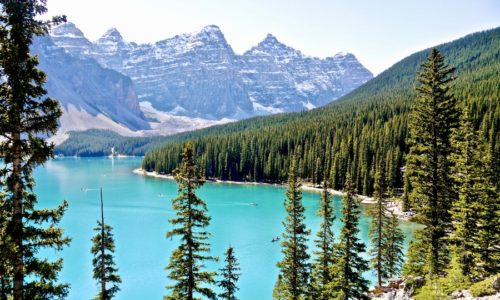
351	134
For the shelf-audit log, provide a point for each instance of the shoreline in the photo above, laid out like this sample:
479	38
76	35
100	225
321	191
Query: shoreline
392	206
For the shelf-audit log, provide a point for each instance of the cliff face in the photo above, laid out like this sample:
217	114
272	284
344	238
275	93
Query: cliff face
88	87
199	75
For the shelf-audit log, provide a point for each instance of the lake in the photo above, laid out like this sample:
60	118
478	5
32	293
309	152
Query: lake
139	207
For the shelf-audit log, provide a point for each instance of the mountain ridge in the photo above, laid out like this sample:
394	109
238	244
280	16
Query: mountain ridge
192	73
353	135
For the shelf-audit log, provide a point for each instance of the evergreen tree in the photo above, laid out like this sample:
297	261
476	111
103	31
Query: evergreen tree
325	256
488	223
279	292
294	267
230	275
26	116
186	263
350	266
393	252
103	247
433	118
406	194
468	174
105	271
416	256
378	227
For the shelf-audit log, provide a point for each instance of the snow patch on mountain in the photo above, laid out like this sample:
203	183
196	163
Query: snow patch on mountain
198	74
163	123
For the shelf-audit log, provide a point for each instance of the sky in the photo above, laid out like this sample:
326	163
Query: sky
378	32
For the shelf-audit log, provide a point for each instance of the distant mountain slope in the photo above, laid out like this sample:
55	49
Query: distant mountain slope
199	75
90	95
353	134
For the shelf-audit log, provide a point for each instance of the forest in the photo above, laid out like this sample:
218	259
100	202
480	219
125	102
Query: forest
429	126
351	134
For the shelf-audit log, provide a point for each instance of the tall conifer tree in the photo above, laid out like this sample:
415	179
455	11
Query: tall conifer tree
186	267
467	171
26	115
294	267
433	118
350	266
488	220
105	270
230	275
325	256
393	252
378	227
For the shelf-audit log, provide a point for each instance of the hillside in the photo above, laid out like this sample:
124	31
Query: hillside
352	134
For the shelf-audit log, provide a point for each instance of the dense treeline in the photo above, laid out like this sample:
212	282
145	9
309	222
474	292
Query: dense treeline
98	142
352	134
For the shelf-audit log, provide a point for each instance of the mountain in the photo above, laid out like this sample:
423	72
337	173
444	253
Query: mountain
280	79
199	75
90	95
353	135
96	97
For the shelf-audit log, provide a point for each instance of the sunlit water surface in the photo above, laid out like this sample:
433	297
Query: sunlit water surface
138	208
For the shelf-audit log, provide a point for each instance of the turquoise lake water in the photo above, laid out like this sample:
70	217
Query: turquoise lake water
139	207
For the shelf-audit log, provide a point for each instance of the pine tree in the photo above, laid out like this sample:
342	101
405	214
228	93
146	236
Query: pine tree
186	263
230	275
294	267
467	171
416	256
350	266
26	115
393	252
378	226
325	256
279	292
406	194
433	118
488	223
105	270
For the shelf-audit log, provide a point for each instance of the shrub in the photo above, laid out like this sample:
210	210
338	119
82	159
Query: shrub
485	287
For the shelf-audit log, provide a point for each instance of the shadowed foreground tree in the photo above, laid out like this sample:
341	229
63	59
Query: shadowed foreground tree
26	116
186	266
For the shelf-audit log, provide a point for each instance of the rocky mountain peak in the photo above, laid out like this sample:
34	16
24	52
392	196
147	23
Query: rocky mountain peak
112	35
272	46
211	33
198	74
71	39
270	39
67	29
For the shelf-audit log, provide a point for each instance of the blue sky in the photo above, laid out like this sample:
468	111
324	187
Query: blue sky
378	32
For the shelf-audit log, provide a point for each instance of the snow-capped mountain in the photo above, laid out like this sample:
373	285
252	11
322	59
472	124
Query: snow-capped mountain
92	96
199	75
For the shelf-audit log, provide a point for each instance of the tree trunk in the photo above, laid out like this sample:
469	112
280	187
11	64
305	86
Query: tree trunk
17	219
103	263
